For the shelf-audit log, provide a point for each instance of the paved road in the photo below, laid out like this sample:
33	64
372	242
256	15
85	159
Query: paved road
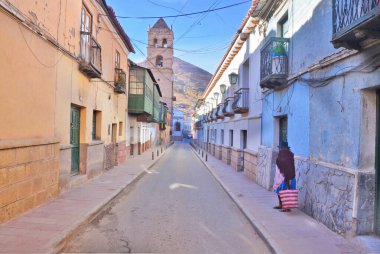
177	208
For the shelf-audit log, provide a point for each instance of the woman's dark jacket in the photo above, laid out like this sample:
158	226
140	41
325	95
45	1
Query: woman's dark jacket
285	162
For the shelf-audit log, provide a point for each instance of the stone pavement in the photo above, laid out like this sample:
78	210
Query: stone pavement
293	232
44	229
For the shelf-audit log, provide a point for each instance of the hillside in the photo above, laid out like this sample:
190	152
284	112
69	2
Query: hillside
189	83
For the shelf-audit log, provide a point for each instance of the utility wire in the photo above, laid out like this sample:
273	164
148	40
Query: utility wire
204	50
183	15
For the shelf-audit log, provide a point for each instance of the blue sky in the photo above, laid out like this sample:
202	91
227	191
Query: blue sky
200	39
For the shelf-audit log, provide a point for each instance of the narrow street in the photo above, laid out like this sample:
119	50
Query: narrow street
177	207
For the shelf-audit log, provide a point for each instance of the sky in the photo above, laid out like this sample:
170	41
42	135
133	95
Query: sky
199	39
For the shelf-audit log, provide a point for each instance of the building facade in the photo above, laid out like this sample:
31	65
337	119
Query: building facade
63	98
146	113
311	75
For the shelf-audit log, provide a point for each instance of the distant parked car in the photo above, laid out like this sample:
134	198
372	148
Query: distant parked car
189	135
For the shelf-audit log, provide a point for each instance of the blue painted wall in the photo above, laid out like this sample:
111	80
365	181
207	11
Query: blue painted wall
293	102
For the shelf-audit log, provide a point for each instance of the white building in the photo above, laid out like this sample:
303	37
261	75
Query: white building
307	73
178	125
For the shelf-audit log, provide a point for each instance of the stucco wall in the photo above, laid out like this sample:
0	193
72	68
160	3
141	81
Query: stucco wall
294	103
27	99
342	115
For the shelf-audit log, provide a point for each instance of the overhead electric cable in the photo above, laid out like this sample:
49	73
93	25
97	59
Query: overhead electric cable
185	14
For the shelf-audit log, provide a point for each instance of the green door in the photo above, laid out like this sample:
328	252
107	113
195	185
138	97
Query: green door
377	204
74	139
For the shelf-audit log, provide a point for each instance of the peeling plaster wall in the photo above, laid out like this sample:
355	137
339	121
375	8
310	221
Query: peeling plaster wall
343	115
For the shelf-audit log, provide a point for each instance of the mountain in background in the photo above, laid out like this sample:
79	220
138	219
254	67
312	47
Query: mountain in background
189	83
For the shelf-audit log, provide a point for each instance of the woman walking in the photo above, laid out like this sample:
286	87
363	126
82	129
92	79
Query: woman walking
285	176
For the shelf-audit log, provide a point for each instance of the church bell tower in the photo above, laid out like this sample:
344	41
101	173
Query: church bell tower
160	58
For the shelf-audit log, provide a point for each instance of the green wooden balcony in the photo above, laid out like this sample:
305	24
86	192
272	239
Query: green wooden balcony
140	94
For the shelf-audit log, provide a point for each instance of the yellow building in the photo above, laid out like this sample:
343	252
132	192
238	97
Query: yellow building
64	68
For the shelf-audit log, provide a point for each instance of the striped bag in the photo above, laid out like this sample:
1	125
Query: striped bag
289	199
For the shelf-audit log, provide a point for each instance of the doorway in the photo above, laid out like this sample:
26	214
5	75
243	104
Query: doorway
377	165
74	139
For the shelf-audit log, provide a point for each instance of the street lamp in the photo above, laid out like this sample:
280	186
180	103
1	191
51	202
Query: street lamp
223	88
209	105
216	96
233	78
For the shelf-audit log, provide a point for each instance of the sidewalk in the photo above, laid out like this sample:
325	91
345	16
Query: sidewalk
44	229
293	232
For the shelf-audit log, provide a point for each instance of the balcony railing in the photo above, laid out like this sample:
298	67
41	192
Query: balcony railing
120	81
219	111
274	63
213	114
240	104
91	57
208	118
227	109
355	21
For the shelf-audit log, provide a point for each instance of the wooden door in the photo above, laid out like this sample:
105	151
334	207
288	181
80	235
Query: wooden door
75	139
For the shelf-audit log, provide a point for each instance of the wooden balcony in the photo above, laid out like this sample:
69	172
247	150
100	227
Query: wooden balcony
140	96
120	81
227	109
90	55
274	61
355	21
241	101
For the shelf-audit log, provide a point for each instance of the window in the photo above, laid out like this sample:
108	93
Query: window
113	134
155	42
96	124
243	144
283	129
85	32
117	60
231	138
177	126
215	135
159	61
120	129
136	82
283	26
164	43
245	82
222	137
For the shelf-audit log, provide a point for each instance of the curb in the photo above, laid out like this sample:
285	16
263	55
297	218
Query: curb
261	231
59	243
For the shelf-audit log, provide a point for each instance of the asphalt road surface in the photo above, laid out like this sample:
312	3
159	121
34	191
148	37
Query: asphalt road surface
176	208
